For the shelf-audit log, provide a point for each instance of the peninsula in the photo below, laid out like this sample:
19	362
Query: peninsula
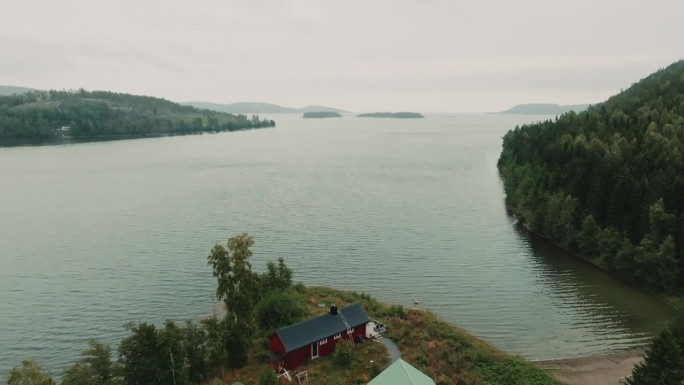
236	345
393	115
37	116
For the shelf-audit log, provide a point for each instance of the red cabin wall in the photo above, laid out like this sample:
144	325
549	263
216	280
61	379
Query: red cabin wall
360	332
326	348
275	344
301	356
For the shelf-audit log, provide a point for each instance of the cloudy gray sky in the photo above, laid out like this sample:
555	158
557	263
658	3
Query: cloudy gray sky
421	55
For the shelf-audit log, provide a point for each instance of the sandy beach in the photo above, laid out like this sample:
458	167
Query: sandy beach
605	369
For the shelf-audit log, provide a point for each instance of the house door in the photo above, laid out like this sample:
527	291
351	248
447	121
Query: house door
314	350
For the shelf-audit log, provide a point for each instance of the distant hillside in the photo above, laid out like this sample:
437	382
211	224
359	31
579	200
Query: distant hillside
394	115
315	108
544	109
11	90
258	108
243	107
321	114
46	115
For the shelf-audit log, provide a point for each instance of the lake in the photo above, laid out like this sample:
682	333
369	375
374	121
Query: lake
94	235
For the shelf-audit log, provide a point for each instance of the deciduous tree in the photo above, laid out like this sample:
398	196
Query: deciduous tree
280	308
142	359
238	285
29	373
276	277
94	368
239	288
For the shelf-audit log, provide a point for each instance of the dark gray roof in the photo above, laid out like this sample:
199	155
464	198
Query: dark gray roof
306	332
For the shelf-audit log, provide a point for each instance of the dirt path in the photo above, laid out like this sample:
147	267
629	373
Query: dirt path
392	348
593	370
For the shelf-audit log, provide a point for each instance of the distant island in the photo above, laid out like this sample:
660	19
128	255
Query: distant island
258	108
321	114
393	115
12	90
544	109
101	115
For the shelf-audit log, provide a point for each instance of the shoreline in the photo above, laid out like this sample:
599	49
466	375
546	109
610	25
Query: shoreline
666	300
218	309
593	369
599	369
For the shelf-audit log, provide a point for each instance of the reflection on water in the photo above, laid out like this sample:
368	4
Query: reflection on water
81	139
610	306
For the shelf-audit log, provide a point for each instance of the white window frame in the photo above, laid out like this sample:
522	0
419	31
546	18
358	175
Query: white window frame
337	336
323	341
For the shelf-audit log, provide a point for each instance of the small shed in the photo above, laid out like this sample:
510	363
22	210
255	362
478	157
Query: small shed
297	344
401	373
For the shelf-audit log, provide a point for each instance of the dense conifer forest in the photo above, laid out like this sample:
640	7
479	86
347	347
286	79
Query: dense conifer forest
49	115
608	183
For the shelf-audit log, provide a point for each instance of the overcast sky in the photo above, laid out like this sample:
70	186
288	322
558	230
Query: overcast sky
421	55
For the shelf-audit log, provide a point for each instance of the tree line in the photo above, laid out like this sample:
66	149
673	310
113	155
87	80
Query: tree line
607	183
49	115
190	353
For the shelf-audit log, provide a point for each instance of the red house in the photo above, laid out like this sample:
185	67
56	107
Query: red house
295	345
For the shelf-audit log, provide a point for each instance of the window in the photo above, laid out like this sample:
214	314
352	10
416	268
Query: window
337	336
323	341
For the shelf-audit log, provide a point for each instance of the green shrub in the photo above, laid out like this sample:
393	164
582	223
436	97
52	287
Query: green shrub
280	308
267	377
396	311
513	371
344	353
374	370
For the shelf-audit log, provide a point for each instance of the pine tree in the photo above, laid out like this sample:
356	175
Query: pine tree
663	364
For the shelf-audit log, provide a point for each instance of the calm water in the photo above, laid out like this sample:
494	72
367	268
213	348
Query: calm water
95	235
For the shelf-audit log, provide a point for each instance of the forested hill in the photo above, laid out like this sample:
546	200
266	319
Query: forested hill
608	183
45	115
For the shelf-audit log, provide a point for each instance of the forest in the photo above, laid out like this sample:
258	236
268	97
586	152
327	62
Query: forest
608	183
50	115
